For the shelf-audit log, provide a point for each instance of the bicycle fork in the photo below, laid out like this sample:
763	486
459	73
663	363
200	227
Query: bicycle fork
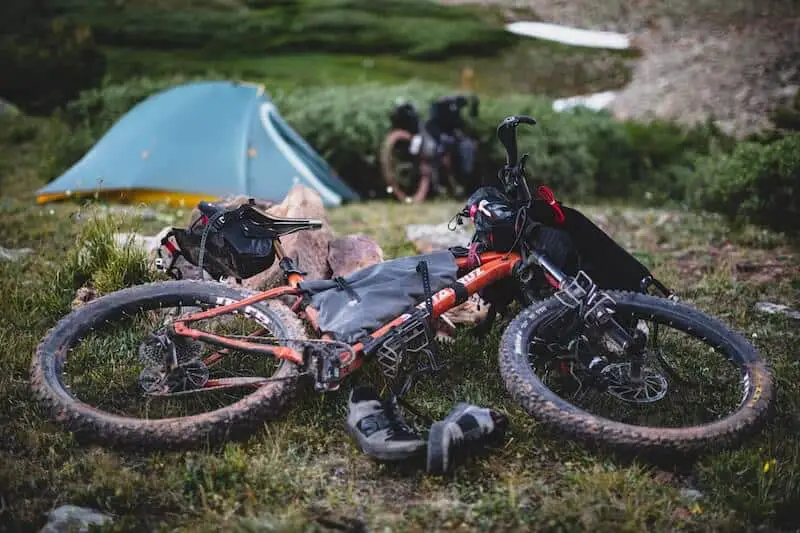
596	311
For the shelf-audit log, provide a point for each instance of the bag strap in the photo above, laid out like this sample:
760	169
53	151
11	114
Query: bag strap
214	223
343	285
422	269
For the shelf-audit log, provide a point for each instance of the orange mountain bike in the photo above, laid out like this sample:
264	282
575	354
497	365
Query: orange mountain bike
595	346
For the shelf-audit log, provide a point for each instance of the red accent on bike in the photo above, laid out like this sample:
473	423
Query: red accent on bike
472	210
170	247
564	368
204	220
546	194
473	258
551	280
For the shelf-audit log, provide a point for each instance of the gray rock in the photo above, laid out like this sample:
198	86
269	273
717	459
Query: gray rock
70	518
430	237
780	309
7	108
352	252
691	494
14	254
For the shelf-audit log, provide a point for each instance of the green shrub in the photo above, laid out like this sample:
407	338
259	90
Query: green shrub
758	183
17	129
410	28
45	67
582	153
99	259
655	160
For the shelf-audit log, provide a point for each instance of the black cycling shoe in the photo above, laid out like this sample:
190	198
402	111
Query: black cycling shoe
465	425
379	428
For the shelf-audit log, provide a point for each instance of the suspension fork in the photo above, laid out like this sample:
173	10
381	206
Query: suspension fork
598	309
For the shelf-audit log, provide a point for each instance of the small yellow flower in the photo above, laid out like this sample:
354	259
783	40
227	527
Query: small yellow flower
696	509
769	464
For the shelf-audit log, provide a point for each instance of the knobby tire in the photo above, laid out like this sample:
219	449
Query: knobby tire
234	421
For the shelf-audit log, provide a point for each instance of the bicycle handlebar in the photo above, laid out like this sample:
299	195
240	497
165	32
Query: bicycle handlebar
507	134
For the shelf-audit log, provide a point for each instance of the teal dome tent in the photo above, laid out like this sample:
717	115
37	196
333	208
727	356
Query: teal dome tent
199	141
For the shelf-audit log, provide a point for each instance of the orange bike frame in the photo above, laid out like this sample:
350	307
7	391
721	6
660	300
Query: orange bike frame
493	267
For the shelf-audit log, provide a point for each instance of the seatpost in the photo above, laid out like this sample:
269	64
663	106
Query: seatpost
279	253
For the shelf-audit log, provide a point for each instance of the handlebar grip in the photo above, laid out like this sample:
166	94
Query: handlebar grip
507	134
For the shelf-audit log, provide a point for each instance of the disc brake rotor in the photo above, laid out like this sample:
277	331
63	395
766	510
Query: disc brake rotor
650	387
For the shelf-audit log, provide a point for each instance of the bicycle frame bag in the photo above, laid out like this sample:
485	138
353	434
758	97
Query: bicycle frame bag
353	307
608	264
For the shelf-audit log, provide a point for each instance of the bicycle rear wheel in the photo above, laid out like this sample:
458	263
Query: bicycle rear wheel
102	353
408	180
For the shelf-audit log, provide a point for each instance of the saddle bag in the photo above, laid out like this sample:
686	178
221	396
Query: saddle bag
234	245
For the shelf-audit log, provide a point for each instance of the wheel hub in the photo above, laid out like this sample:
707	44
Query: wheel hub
649	387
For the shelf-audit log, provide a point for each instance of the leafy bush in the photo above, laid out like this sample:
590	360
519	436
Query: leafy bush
411	28
581	153
17	129
758	183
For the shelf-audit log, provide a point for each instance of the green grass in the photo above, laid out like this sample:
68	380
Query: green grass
529	67
302	473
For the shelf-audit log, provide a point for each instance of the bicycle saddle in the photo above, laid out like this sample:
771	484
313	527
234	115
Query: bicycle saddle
257	223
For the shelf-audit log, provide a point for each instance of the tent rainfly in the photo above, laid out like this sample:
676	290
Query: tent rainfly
199	141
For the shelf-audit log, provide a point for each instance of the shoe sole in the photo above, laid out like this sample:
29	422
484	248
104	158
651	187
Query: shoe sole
439	445
383	455
438	449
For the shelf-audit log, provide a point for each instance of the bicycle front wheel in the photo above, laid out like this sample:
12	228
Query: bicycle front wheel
100	370
701	386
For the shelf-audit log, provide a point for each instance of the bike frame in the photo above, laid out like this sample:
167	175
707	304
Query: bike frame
491	267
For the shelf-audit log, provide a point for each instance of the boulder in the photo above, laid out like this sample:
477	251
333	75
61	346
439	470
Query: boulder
351	253
69	518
